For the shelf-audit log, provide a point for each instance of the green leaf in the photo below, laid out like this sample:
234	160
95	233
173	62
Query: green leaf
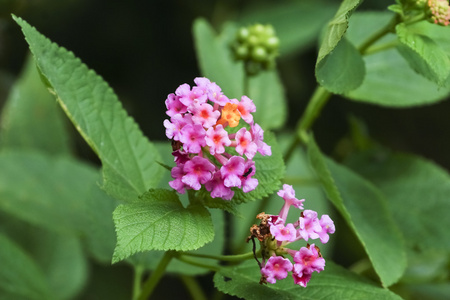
297	23
150	259
365	210
333	283
417	191
60	194
20	277
423	54
267	92
217	63
158	221
342	70
55	254
269	172
99	234
30	118
432	291
44	190
389	80
439	34
336	28
215	58
128	158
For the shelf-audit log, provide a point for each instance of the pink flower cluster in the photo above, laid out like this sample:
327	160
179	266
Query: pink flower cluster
440	11
306	260
199	126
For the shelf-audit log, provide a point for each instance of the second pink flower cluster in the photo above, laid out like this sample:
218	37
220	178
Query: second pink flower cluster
199	126
306	260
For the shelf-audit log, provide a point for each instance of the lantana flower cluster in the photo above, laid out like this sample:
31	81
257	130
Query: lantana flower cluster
207	149
440	11
435	11
275	234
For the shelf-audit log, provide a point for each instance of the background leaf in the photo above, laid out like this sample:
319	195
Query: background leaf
158	221
389	80
342	70
20	278
60	257
297	23
417	191
31	118
128	158
363	207
423	54
57	194
215	58
333	283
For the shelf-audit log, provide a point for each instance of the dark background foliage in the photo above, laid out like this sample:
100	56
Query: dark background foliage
144	49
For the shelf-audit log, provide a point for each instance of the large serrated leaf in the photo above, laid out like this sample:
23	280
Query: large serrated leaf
150	260
365	210
417	190
158	221
333	283
20	277
31	119
128	158
423	54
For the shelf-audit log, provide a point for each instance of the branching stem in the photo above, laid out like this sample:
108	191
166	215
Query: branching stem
157	274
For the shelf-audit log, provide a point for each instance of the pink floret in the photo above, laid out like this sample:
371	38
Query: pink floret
193	138
276	268
232	171
246	107
217	139
197	171
283	233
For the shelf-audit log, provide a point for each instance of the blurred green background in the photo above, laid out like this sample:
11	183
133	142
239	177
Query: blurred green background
144	49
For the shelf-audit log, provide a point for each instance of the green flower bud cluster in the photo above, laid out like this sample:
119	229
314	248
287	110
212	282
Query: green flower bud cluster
257	46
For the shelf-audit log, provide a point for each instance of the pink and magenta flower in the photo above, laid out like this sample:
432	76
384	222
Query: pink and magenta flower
276	268
205	148
307	259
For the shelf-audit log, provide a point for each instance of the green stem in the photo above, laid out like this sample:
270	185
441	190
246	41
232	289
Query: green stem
390	27
321	95
184	259
380	47
193	287
246	84
138	272
157	274
237	257
361	266
312	111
